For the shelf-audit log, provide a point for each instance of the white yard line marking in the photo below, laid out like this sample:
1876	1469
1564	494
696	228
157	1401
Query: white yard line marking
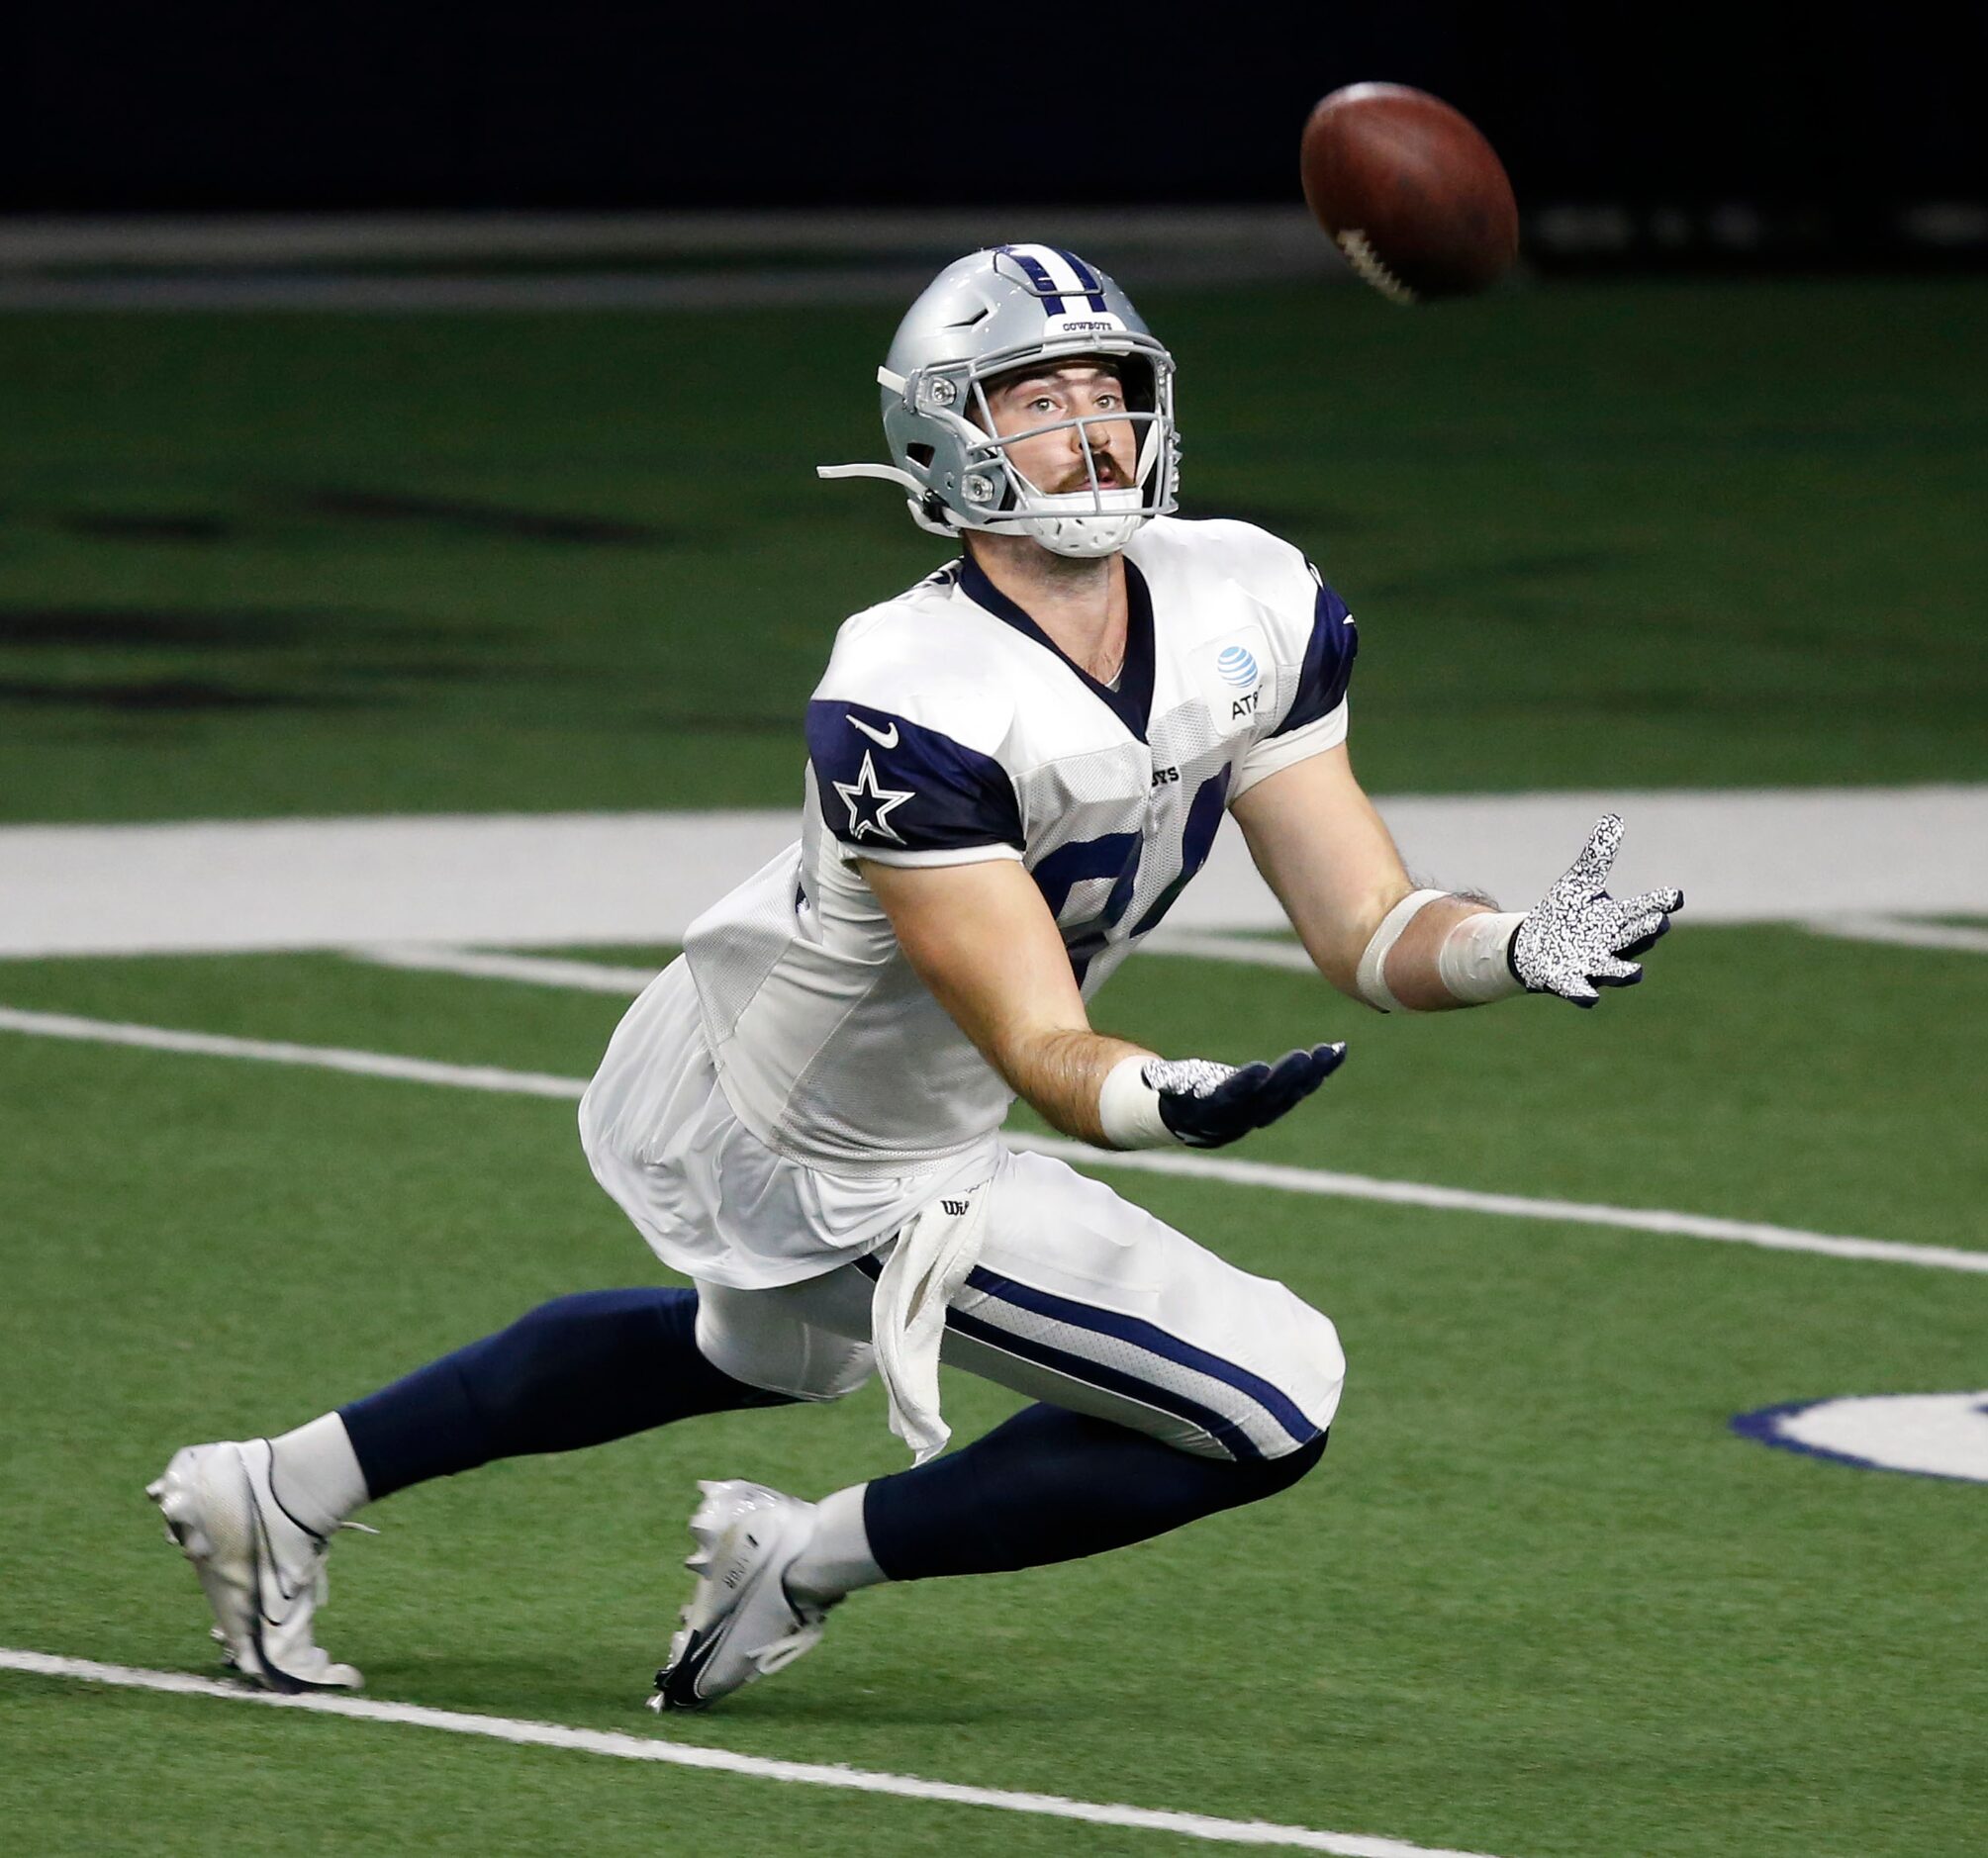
1510	1205
1902	931
544	970
538	970
1195	944
276	1051
626	1747
1284	1178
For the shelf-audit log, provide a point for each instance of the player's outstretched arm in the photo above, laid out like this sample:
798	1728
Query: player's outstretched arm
982	939
1327	855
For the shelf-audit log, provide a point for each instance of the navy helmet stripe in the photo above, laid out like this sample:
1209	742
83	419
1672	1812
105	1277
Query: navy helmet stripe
1084	275
1155	1340
1039	276
1088	278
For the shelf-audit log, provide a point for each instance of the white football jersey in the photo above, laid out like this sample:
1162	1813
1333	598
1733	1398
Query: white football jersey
949	729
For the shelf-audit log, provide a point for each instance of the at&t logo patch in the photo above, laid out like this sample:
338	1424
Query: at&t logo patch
1236	666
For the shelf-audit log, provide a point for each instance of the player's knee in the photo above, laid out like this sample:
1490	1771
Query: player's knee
1252	1478
740	1334
818	1376
829	1381
1328	1361
1284	1470
1296	1369
1311	1374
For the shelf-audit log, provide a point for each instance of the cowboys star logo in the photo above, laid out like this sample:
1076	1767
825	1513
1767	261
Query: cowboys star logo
870	806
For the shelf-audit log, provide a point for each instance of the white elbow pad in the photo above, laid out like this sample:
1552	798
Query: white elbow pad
1470	961
1370	979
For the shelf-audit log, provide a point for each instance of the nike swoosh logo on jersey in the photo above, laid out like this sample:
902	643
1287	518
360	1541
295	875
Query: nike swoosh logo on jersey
876	735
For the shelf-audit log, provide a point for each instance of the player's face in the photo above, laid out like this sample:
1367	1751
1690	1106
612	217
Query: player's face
1053	462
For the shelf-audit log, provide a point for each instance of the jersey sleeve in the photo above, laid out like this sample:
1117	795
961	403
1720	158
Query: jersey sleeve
902	792
1316	718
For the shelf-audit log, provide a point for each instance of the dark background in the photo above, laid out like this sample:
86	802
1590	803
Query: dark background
508	106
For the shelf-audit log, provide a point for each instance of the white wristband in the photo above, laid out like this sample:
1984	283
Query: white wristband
1372	977
1128	1107
1471	963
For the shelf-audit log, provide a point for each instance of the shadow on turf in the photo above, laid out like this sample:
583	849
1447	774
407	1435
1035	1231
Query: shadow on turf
361	506
311	646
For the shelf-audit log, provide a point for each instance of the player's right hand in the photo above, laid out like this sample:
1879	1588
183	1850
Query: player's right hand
1206	1105
1578	938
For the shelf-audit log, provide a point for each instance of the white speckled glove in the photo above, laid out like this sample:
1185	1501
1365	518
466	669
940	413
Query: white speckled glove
1578	938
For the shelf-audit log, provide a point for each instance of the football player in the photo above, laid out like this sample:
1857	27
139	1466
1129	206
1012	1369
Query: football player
1014	770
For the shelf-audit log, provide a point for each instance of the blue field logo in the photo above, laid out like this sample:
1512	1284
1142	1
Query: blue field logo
1235	665
1941	1434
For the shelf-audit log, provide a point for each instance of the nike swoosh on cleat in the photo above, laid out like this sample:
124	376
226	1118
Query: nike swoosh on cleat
677	1683
876	735
265	1565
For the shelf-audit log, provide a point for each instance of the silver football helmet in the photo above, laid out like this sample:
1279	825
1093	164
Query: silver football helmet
985	315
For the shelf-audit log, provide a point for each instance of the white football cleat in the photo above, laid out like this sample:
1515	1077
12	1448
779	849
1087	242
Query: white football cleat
263	1571
742	1624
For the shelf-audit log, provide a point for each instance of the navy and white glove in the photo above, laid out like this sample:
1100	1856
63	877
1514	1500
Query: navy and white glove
1147	1102
1578	938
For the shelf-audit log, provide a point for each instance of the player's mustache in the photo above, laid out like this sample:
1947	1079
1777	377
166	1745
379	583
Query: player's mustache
1111	475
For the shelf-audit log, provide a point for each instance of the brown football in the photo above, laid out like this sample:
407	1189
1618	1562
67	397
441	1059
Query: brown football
1409	191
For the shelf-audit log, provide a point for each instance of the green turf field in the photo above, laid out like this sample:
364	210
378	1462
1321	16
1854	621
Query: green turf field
1680	534
1540	1602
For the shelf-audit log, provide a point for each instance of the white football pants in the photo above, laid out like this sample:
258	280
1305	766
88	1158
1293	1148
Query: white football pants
1081	1299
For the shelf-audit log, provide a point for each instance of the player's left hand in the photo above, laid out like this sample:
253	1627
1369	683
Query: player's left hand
1577	938
1207	1105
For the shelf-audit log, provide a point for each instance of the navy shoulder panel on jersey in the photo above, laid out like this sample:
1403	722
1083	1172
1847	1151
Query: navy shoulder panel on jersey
1328	661
892	784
